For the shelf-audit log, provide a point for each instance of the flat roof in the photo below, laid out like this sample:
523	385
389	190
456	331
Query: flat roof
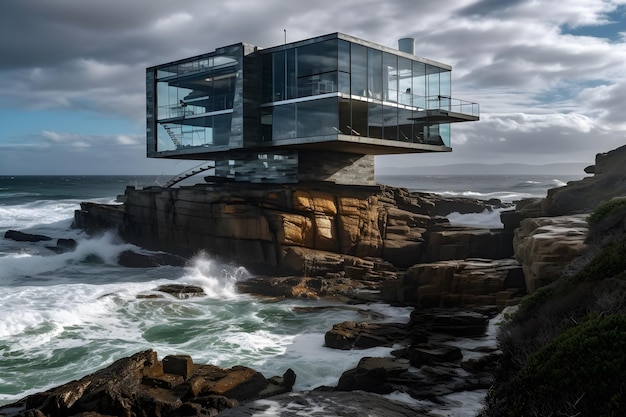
335	35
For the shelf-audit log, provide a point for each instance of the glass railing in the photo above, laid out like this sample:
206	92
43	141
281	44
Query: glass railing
452	104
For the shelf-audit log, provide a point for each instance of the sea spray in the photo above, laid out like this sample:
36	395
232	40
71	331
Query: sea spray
487	218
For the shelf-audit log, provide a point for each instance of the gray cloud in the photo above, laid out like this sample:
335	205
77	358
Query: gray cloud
544	93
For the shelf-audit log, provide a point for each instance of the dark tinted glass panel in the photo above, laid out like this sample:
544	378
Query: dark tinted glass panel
317	58
284	122
358	70
292	83
405	132
267	78
343	56
375	120
266	124
345	119
317	118
221	129
359	118
279	76
375	74
390	122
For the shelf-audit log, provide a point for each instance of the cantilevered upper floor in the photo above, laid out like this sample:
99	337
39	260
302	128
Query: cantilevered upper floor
333	93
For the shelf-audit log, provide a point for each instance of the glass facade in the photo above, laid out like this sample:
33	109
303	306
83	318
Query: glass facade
194	101
324	89
339	87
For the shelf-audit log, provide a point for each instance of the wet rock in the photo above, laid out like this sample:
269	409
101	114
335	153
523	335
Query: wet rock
141	385
25	237
426	354
545	245
64	245
362	335
451	322
131	259
181	290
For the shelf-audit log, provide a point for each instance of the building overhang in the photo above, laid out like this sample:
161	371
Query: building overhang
333	143
438	116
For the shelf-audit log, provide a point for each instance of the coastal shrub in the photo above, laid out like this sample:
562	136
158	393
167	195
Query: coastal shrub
606	209
611	261
578	373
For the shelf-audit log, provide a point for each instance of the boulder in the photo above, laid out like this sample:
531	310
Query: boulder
362	335
545	245
132	259
458	283
181	290
64	245
141	385
25	237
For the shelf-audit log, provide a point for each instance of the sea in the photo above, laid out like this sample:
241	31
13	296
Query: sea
65	315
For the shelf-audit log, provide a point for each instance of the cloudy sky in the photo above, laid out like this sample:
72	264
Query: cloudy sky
550	76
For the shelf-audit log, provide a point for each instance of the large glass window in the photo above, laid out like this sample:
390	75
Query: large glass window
284	122
374	74
317	118
375	120
186	95
405	84
358	70
390	77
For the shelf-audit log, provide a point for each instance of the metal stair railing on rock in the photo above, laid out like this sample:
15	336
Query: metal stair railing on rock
205	166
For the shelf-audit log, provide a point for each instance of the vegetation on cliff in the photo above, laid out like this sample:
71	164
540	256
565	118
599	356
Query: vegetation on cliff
563	348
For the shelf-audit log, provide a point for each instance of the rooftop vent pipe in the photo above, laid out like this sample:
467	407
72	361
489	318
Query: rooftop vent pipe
407	45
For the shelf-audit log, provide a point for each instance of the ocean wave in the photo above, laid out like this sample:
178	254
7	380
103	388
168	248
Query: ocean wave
487	219
217	279
559	183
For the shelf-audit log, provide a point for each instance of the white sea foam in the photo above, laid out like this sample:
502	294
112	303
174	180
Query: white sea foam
487	219
104	248
217	280
559	183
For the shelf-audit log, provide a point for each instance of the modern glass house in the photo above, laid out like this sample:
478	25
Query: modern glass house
316	109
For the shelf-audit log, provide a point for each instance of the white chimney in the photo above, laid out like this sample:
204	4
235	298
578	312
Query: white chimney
407	45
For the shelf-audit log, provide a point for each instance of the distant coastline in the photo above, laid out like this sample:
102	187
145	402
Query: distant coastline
566	168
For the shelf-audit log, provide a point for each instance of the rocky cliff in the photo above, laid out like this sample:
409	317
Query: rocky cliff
291	229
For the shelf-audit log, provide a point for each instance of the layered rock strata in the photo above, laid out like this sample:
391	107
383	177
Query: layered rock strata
544	246
293	229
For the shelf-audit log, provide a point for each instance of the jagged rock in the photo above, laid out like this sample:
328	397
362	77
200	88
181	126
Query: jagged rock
545	245
427	354
181	290
131	259
452	322
64	245
304	229
141	385
583	196
362	335
25	237
458	283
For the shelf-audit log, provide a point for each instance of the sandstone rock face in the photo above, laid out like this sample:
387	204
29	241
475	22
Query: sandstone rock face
545	245
456	283
141	385
292	229
585	195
